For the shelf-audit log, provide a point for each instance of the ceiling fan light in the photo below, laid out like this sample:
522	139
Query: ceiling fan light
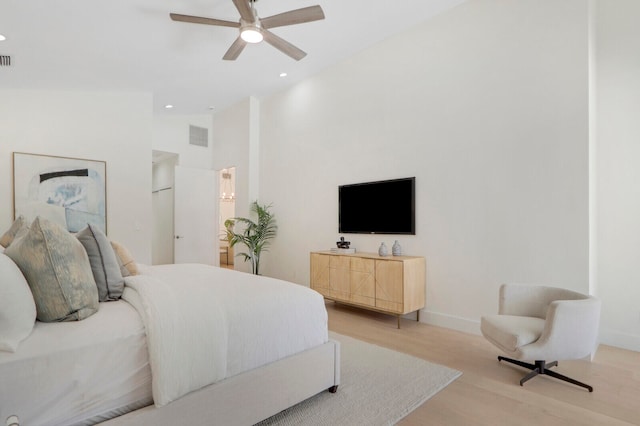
251	35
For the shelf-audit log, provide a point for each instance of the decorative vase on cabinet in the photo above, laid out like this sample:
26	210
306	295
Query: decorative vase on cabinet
382	251
396	250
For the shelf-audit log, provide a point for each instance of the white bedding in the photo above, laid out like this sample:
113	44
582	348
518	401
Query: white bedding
91	370
67	373
206	323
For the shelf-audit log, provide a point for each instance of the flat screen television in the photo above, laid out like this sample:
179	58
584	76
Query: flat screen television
383	207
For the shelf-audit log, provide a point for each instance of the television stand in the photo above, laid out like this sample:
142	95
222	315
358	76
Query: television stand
389	284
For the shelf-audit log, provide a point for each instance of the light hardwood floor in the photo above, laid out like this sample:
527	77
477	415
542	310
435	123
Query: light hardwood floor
488	392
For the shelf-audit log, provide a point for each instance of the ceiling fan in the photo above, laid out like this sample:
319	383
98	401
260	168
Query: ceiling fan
254	29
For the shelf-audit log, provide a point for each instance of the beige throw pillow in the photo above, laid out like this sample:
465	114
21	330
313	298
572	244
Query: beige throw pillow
128	265
9	236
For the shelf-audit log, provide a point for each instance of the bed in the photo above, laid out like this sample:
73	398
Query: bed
187	344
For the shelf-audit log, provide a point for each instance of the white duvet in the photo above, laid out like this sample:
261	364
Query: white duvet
205	323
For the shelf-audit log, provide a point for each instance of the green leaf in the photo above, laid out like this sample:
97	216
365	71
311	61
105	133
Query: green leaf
255	236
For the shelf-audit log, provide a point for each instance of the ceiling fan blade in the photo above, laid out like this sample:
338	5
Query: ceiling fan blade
246	12
201	20
235	50
298	16
283	45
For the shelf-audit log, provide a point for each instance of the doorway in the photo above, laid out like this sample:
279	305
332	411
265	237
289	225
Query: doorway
227	210
162	199
184	205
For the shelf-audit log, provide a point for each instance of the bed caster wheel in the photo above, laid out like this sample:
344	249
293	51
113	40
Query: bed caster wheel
333	389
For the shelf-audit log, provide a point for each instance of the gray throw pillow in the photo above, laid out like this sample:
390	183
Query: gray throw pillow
104	263
57	269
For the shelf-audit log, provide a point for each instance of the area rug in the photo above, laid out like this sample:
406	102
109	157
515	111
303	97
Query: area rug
378	386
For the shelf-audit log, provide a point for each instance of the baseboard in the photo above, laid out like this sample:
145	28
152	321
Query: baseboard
450	321
619	339
606	336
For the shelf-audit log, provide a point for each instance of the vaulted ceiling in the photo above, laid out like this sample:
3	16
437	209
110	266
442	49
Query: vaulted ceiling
132	45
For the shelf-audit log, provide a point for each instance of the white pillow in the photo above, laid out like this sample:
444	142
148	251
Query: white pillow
17	308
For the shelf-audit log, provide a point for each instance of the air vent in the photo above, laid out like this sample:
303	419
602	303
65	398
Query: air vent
5	61
198	136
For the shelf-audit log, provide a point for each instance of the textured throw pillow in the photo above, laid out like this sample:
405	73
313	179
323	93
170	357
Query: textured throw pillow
104	263
9	236
126	260
57	269
123	269
17	309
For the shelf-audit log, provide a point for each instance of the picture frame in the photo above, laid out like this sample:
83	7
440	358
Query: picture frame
71	192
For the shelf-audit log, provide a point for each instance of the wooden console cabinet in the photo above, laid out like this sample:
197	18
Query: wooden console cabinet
390	284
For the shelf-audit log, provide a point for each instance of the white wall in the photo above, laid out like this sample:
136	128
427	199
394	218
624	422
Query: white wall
114	127
487	105
618	169
171	134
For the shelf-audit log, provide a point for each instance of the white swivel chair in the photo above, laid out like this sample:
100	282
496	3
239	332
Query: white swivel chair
538	323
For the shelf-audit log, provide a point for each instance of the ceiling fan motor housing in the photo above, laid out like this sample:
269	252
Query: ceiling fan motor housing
251	32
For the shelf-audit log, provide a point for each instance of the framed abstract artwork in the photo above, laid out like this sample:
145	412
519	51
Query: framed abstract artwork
69	191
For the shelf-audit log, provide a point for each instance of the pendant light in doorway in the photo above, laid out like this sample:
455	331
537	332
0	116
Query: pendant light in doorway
226	191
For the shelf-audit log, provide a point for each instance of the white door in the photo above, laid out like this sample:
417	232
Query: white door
162	237
196	217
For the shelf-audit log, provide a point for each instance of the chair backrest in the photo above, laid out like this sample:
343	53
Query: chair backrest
532	300
571	320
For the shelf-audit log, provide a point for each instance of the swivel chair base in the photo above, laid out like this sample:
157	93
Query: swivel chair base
541	367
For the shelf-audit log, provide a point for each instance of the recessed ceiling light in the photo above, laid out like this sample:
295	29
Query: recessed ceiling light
169	106
283	74
2	38
212	107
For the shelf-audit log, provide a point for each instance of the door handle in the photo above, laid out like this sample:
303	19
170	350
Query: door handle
178	237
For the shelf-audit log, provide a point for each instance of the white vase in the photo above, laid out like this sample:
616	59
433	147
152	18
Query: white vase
382	251
396	250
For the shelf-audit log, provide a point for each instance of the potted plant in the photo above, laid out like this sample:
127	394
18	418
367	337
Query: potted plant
254	235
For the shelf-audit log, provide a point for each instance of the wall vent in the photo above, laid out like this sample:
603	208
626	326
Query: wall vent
198	136
5	61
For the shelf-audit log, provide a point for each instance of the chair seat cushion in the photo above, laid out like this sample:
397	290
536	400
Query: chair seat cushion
511	332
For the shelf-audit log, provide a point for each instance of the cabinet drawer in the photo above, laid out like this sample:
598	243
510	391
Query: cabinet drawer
389	281
340	262
362	281
363	265
319	272
392	307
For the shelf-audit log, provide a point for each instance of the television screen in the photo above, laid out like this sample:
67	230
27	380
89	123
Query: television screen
384	207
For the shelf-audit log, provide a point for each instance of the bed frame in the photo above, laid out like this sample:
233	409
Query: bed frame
248	398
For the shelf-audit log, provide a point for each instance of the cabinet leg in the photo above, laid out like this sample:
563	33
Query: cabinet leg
418	315
398	322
